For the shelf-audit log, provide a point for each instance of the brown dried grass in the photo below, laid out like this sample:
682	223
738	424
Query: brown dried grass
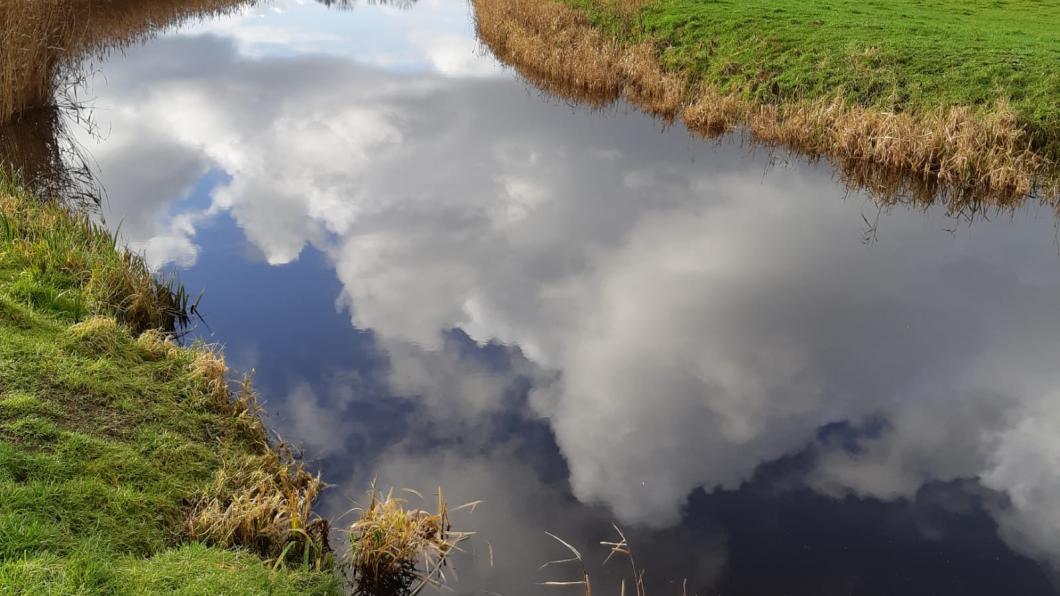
399	550
553	46
31	32
155	345
969	156
264	501
41	41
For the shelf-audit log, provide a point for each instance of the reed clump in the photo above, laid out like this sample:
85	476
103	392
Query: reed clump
977	154
31	33
263	503
554	47
398	550
42	41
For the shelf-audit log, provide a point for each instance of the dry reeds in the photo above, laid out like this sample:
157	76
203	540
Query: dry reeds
584	581
43	45
553	46
208	372
31	35
40	40
398	550
264	504
971	155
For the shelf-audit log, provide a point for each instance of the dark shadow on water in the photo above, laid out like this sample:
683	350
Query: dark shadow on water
45	156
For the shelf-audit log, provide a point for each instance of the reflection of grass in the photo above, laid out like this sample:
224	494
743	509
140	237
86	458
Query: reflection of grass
621	547
801	75
398	550
42	146
118	449
42	39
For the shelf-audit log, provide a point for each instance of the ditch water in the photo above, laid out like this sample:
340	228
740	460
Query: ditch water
444	278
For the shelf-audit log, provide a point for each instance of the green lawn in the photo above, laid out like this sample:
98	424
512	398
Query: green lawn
104	438
901	55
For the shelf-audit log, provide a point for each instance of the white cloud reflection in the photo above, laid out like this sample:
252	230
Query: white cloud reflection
687	317
424	35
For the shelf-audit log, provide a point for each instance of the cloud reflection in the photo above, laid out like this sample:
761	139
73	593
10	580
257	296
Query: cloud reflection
682	314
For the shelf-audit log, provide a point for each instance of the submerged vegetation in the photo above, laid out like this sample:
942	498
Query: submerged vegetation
906	98
126	462
619	547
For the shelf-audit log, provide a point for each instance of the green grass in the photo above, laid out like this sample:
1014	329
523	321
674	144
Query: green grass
104	440
896	55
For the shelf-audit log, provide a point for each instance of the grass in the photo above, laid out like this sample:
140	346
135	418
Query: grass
903	95
892	55
127	463
57	260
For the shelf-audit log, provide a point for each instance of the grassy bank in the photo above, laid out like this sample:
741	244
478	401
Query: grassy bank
953	96
128	464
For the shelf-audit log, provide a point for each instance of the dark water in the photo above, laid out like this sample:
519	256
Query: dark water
442	278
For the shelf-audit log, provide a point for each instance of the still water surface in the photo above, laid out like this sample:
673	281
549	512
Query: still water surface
579	317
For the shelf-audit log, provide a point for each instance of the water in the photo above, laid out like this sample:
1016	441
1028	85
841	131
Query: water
772	385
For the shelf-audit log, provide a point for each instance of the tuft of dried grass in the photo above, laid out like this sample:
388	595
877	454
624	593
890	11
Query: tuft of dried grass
208	365
209	372
968	156
263	503
96	336
399	550
155	345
